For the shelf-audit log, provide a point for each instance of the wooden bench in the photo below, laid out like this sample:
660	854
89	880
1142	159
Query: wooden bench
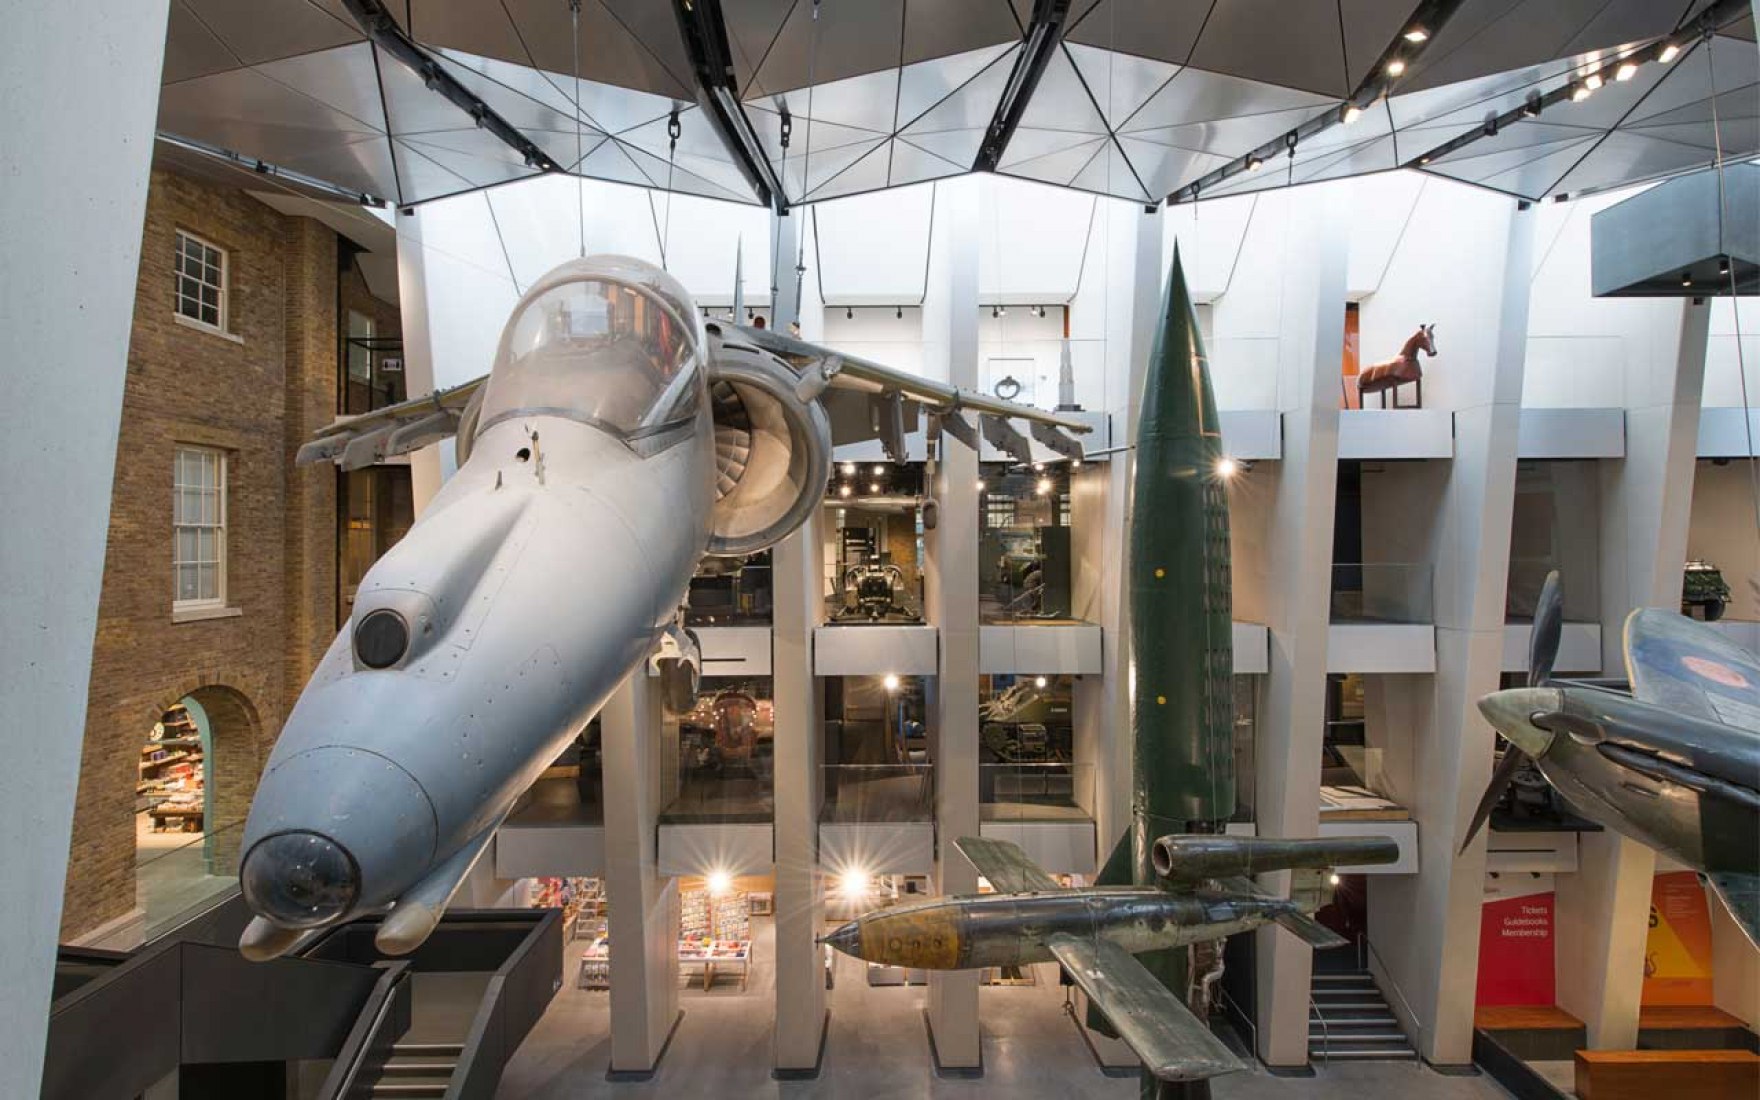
1647	1074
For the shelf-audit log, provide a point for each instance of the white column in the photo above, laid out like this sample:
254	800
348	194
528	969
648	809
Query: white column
950	334
800	972
785	301
418	350
642	904
1426	927
1287	784
1603	909
81	84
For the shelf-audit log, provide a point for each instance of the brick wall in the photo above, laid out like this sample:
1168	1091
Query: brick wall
256	395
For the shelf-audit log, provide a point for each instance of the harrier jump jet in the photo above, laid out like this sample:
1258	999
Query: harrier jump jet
617	441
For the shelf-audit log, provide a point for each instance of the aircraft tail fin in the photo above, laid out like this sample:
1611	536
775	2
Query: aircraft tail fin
1310	931
1741	893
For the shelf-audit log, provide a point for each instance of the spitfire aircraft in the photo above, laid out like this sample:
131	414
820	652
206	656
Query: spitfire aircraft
1675	765
617	440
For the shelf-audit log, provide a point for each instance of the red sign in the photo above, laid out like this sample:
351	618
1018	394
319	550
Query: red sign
1515	950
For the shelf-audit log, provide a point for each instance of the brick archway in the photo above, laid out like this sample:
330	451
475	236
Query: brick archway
234	761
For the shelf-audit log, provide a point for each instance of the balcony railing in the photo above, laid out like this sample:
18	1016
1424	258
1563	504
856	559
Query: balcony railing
1383	592
1049	791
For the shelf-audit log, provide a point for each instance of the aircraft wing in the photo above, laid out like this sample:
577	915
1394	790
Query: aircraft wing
1173	1044
1006	866
356	441
867	400
1686	666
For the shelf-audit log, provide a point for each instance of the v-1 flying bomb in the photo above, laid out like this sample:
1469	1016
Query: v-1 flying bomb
1675	765
617	440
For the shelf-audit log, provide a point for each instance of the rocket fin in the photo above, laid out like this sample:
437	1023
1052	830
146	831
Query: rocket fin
1173	1044
1741	894
1008	868
419	910
1118	867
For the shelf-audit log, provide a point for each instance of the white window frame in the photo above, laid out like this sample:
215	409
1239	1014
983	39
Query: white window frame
177	275
218	600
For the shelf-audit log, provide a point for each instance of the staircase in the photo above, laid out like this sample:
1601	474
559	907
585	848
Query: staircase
416	1070
1348	1018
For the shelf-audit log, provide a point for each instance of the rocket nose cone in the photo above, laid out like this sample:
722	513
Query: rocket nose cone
847	939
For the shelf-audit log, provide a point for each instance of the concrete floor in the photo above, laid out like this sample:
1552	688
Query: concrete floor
878	1047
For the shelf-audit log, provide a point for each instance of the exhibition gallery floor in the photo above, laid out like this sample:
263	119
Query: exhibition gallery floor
879	1047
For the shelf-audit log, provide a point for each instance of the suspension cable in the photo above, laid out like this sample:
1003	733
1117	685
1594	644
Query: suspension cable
580	181
1735	301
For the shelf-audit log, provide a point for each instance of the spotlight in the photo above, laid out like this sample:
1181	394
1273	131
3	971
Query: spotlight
1723	266
1332	879
890	683
1581	92
1395	67
853	885
1254	164
750	313
1227	467
844	490
1044	486
1592	81
1626	70
1002	311
879	471
1038	681
720	882
994	313
1669	53
849	469
980	485
1038	466
1417	35
1531	106
873	486
1686	278
1423	160
1075	463
849	314
1352	113
898	312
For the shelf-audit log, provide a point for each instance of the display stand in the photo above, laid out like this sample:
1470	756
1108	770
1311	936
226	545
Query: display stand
170	778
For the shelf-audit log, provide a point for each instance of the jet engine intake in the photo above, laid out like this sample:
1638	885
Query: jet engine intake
773	450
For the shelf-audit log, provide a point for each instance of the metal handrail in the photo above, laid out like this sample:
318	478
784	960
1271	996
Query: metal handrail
1241	1014
339	1083
1397	992
1325	1031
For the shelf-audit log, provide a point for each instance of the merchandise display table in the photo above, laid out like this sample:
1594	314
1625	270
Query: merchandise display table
178	818
717	955
595	971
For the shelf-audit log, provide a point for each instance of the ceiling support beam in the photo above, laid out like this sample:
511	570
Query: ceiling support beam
384	33
1043	36
1426	19
704	32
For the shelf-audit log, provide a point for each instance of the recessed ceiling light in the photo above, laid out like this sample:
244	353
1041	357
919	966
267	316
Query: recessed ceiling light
1626	70
1592	81
1669	53
1352	113
1581	92
1395	67
1254	164
1416	35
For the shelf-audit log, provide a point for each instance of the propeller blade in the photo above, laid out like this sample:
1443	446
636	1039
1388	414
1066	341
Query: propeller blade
1513	759
1548	626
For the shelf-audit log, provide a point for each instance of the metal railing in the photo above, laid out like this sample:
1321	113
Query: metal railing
517	995
1417	1023
1325	1031
870	794
1037	791
387	1011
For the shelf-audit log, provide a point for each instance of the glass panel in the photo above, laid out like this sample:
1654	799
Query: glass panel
725	755
210	316
208	581
1025	549
1382	592
186	545
186	582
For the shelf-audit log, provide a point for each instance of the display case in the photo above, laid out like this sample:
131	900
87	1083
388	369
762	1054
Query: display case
1024	544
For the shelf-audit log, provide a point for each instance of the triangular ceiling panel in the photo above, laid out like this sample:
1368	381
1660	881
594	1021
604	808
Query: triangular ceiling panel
1119	82
923	85
1193	95
910	164
958	146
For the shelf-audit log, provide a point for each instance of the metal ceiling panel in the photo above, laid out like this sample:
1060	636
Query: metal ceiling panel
924	86
524	112
359	164
1058	167
866	173
479	74
818	135
191	49
1226	137
1146	28
345	79
1110	173
937	30
958	146
472	154
1370	26
1165	168
1119	82
1689	80
752	29
1030	143
1194	95
846	40
912	164
1062	101
971	105
1293	43
481	30
1491	36
1529	171
866	103
262	30
1621	158
614	49
246	111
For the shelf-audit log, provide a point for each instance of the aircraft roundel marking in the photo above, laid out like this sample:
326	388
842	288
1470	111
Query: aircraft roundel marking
1715	672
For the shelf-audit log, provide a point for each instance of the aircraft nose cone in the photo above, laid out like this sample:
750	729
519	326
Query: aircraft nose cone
1512	713
300	879
847	939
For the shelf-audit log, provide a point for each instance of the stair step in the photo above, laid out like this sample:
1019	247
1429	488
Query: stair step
1390	1055
1352	1005
408	1089
418	1069
1347	1038
1337	979
1355	1023
432	1050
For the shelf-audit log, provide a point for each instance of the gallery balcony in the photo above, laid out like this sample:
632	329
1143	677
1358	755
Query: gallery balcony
1383	616
878	819
557	829
718	799
1044	808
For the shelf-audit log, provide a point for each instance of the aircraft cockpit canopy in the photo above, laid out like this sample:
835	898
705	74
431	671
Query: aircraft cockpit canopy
612	342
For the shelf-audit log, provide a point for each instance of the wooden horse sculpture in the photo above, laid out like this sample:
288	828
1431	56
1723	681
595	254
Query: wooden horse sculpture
1394	373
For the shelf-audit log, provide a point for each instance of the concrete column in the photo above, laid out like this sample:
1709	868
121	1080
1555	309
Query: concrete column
1426	926
425	465
950	337
82	83
642	912
1287	794
1603	909
1100	511
800	973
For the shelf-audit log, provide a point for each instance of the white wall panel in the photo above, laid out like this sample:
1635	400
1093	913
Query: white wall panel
875	650
737	849
1381	647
